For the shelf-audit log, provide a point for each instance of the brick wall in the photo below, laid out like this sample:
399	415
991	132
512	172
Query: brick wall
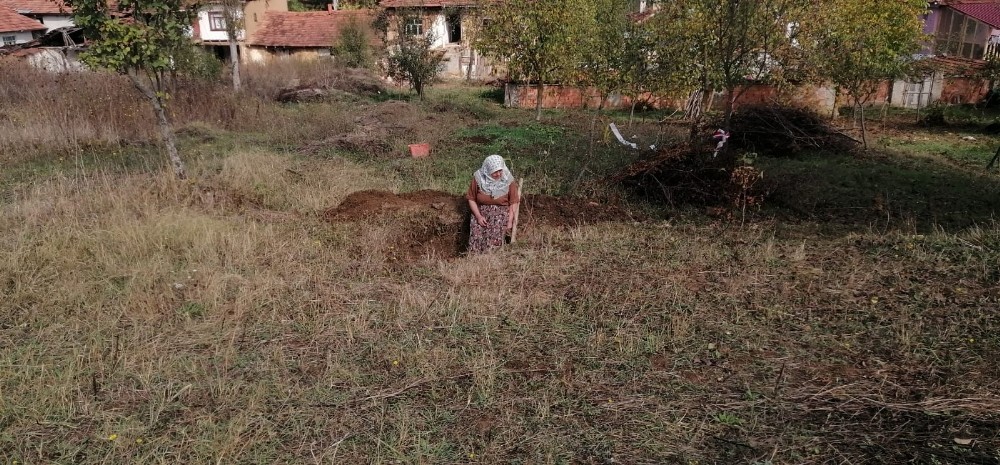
958	90
818	98
556	96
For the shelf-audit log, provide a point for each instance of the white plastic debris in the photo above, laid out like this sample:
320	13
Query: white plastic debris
722	136
621	139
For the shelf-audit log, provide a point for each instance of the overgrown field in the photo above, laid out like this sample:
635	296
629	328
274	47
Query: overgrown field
240	317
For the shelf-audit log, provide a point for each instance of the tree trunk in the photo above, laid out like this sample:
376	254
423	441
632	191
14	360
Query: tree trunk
593	124
705	99
836	94
539	89
472	59
166	130
864	129
590	145
234	58
730	104
631	114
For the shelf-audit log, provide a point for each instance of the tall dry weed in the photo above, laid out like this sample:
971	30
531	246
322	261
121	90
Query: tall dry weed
42	113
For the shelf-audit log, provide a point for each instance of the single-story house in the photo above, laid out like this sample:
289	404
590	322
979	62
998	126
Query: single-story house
453	24
54	14
209	28
57	50
16	28
306	34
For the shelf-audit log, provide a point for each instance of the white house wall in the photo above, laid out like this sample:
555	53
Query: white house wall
205	27
19	37
57	21
440	30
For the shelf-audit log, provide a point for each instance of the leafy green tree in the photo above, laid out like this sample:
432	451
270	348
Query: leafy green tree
353	47
139	39
603	59
729	43
411	57
540	41
857	44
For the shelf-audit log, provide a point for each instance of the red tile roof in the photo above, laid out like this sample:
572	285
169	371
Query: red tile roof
10	21
426	3
988	13
38	7
953	66
308	28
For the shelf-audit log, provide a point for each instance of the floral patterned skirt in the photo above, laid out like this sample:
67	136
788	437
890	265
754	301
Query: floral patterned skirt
490	237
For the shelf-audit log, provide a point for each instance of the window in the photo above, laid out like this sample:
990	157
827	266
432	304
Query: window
961	36
216	21
414	27
453	23
9	40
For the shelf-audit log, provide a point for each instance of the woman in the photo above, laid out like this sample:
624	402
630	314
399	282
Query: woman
492	195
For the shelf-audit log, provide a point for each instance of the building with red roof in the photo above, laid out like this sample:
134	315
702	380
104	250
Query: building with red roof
306	33
16	28
449	22
209	28
54	14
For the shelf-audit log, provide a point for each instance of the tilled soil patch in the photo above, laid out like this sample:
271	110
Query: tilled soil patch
435	223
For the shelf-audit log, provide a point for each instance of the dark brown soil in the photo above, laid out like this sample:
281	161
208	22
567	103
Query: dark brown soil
435	223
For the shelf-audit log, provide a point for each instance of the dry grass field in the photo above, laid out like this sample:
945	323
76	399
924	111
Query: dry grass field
239	317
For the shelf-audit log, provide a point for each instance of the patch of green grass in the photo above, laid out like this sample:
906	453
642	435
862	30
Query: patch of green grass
114	158
552	158
514	137
967	149
881	191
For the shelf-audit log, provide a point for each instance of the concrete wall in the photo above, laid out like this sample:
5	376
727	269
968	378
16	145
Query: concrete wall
56	60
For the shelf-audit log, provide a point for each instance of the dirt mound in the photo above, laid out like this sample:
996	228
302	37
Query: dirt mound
434	223
382	128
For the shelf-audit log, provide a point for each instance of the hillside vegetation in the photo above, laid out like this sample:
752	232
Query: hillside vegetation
240	317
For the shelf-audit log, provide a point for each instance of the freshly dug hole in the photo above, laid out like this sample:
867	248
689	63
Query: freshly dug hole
436	224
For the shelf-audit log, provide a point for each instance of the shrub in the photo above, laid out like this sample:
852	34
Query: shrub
353	48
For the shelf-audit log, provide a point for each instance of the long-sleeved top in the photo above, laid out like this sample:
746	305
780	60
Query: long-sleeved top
513	195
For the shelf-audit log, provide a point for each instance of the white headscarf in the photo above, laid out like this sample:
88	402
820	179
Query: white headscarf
494	187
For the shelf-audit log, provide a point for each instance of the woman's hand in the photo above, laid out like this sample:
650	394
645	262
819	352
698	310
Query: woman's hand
510	223
481	220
